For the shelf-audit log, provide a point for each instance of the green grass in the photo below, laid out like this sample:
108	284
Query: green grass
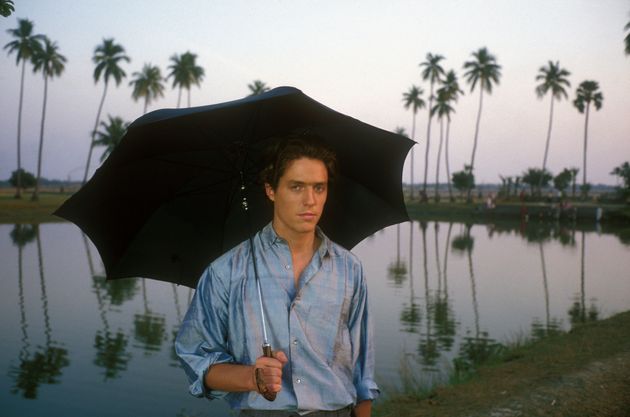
24	210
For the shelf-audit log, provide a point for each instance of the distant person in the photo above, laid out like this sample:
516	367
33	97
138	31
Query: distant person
315	298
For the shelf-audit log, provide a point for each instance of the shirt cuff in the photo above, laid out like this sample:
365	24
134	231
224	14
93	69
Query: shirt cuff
198	387
367	390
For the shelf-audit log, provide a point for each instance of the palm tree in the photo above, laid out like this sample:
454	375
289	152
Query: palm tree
587	92
24	45
6	8
257	87
110	134
627	38
443	109
50	62
147	84
432	72
553	79
413	100
450	88
185	72
483	69
108	56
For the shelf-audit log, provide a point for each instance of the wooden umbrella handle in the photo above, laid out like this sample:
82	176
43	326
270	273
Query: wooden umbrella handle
262	387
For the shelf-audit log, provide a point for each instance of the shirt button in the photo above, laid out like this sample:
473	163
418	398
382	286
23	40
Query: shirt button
295	342
288	266
299	381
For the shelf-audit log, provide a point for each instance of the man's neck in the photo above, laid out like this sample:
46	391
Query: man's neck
299	243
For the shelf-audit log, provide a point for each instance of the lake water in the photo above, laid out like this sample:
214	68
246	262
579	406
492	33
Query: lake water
440	293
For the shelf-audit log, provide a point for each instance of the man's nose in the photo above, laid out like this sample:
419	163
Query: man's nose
309	196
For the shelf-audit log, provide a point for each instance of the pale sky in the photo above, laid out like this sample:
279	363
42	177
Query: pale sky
357	57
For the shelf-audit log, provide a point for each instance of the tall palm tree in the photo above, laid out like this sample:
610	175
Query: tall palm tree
185	73
443	109
108	56
6	8
257	87
24	46
450	87
110	134
50	62
432	72
587	92
485	71
147	84
413	100
553	79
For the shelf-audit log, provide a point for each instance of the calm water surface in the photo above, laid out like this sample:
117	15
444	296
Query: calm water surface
440	293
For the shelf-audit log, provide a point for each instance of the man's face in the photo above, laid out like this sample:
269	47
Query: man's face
299	197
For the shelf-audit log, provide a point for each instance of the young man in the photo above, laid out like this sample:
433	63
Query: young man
315	300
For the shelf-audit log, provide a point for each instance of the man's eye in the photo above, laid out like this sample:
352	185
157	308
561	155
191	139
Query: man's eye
296	187
320	188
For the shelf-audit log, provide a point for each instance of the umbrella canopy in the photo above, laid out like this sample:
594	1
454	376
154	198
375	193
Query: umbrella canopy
168	200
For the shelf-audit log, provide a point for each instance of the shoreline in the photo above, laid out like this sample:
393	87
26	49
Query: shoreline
585	372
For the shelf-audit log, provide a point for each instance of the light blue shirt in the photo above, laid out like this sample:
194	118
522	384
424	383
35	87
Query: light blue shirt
323	325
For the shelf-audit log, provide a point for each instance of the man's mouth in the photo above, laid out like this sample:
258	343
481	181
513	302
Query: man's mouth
307	216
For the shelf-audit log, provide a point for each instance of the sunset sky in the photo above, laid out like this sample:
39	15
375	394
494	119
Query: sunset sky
357	57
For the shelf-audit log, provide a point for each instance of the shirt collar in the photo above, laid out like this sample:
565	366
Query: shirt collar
269	237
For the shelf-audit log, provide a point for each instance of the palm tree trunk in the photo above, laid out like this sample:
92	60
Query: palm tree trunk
546	287
35	196
426	151
188	96
413	134
146	104
448	170
474	151
437	168
582	277
98	118
179	97
544	164
18	189
584	192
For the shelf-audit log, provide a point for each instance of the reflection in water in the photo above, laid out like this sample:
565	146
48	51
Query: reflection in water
45	365
427	346
410	312
578	312
445	324
397	270
149	328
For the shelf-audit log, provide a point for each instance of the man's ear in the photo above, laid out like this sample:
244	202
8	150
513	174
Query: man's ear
269	191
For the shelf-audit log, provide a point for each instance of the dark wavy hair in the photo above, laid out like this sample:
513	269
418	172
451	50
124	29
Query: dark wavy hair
294	146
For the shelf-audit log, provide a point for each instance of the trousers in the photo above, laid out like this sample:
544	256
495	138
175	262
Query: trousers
344	412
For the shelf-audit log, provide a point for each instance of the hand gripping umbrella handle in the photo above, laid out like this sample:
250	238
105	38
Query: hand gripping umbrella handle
262	387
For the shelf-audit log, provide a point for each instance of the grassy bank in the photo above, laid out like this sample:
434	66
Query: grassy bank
24	210
583	372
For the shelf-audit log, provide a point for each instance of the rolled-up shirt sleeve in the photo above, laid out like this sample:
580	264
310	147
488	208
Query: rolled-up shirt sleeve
202	340
360	327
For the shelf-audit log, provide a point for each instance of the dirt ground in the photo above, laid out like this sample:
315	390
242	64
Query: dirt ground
584	373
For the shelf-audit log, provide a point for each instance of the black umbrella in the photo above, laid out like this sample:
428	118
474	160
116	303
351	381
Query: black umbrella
168	200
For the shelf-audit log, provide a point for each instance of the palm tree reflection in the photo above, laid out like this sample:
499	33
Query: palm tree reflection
149	328
45	365
444	316
111	347
476	348
410	313
397	270
578	312
427	346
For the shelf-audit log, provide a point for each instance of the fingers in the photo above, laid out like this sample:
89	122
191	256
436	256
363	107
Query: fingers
279	355
271	370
